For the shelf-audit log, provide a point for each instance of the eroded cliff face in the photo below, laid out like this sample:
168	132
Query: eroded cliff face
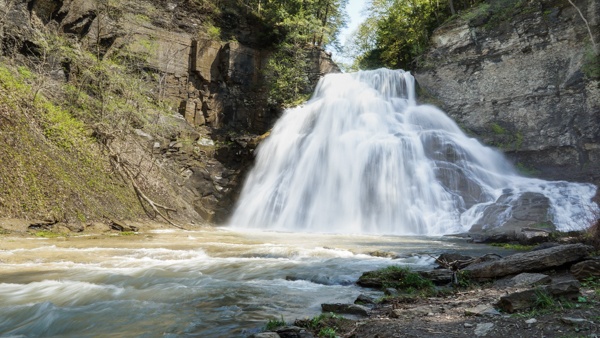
214	83
524	85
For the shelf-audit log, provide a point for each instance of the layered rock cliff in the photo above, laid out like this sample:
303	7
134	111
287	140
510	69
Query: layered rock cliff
525	81
207	67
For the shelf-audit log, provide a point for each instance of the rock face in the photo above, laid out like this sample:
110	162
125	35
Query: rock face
524	85
212	84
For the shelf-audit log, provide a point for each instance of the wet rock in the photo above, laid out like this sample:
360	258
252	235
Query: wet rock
352	309
523	211
122	226
364	299
369	282
586	269
530	261
384	254
390	292
265	335
294	332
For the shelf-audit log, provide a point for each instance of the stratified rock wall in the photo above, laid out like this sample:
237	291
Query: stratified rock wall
521	85
215	84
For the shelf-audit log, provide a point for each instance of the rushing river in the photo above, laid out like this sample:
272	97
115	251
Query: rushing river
210	283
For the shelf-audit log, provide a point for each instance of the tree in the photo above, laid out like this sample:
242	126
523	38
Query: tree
397	32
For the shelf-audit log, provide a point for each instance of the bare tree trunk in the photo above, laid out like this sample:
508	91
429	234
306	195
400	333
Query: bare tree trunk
587	25
452	11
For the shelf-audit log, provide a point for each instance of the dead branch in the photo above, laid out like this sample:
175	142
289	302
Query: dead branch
121	166
587	25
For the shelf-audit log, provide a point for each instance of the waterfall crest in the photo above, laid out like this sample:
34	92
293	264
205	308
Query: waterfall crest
362	157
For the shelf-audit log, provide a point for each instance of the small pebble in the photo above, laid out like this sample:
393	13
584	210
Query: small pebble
468	325
531	321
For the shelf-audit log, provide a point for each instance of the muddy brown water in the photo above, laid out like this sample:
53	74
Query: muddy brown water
208	283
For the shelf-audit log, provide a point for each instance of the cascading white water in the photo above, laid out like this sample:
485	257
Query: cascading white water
362	157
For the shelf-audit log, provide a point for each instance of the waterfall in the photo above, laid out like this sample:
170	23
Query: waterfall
362	157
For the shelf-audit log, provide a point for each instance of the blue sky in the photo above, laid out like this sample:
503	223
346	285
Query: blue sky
355	17
354	9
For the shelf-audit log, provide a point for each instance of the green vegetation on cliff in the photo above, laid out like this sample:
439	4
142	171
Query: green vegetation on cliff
397	33
299	27
50	165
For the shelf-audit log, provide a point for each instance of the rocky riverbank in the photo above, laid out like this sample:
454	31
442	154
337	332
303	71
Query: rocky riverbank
550	291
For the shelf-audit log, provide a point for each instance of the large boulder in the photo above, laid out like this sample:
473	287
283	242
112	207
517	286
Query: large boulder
526	299
510	214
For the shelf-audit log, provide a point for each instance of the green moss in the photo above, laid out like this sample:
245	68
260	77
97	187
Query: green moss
400	278
591	64
48	234
525	170
327	332
274	324
497	129
513	246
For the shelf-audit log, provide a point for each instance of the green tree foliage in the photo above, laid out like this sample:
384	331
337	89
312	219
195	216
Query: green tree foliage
299	26
396	32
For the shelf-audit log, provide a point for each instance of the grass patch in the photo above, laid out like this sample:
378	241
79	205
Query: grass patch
591	64
513	246
325	325
497	129
327	332
47	234
274	324
543	300
400	278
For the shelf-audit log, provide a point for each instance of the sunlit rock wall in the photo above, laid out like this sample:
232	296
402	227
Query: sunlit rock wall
523	86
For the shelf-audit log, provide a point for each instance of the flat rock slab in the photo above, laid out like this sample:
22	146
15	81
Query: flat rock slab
524	279
437	276
294	332
419	311
482	310
527	299
482	330
530	261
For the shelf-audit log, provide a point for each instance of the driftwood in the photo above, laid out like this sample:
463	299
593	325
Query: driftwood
458	264
530	261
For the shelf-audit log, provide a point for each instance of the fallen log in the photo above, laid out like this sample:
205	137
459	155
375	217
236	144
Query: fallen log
532	261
